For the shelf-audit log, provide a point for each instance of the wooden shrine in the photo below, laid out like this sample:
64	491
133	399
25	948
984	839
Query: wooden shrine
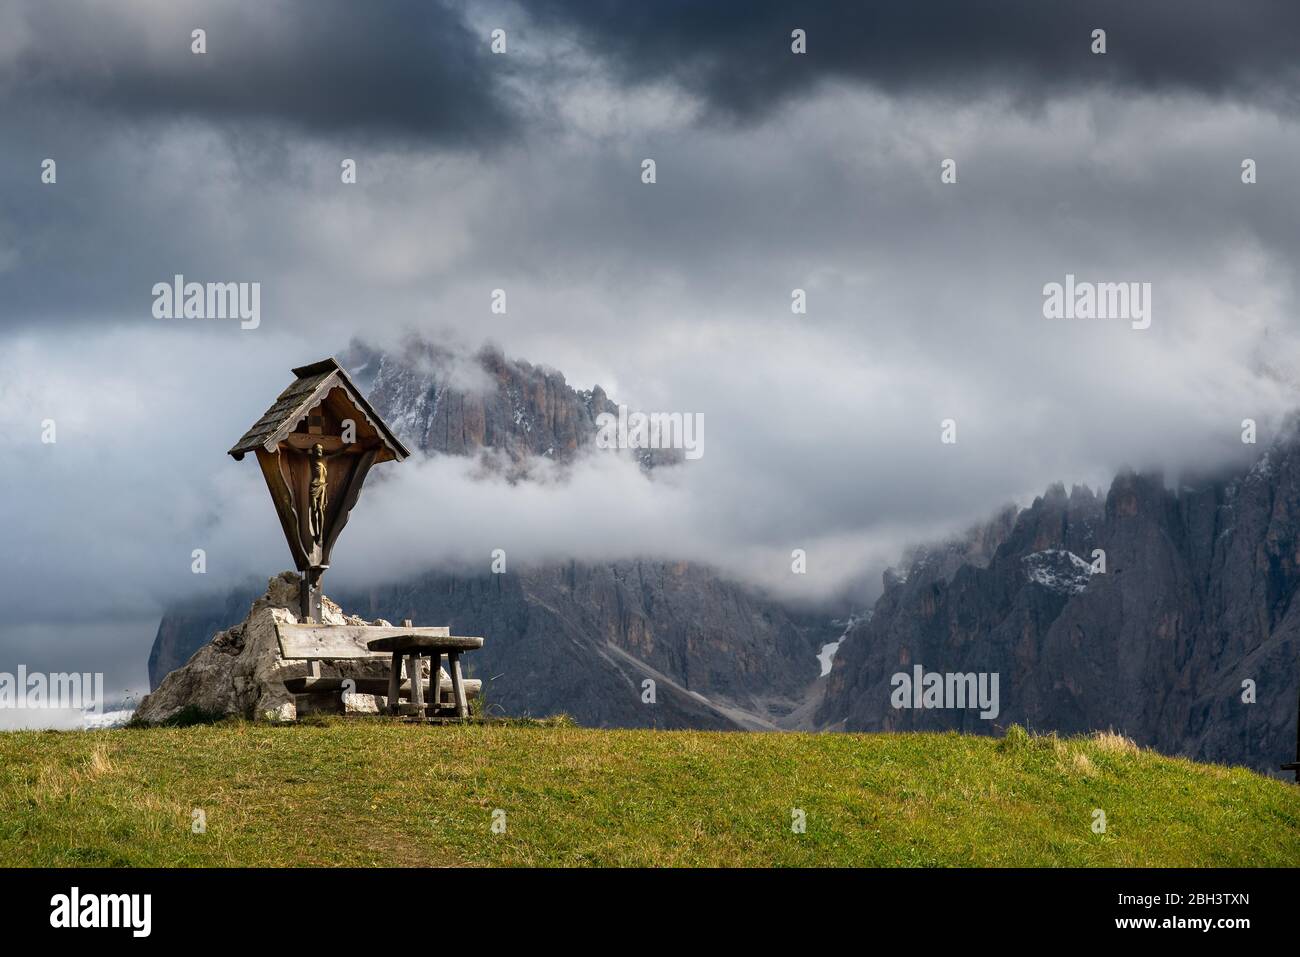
315	445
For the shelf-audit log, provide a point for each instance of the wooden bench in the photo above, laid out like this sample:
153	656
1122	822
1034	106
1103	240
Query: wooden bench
314	643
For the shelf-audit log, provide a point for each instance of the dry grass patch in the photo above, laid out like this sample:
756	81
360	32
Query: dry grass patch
1114	743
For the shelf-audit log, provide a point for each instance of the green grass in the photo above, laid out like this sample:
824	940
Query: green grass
377	792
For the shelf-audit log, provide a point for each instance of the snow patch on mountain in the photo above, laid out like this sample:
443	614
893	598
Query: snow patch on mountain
1059	570
826	657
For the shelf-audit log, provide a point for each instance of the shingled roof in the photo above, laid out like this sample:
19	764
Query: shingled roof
312	385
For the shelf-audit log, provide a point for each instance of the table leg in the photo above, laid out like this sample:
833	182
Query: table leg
457	687
435	683
417	685
394	683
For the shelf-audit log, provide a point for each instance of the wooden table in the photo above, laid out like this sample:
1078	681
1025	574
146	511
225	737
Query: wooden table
415	647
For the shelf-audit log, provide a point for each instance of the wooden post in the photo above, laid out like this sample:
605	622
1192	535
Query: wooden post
394	683
413	672
457	686
435	684
417	685
309	593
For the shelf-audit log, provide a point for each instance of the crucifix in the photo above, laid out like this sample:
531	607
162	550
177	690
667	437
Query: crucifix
316	445
319	490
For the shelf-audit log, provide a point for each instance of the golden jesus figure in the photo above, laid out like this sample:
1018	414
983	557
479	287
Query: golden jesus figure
319	491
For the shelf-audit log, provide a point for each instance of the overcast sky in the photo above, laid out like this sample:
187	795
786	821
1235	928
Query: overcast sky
522	171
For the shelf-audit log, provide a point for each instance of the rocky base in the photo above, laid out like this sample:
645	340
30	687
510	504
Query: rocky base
240	671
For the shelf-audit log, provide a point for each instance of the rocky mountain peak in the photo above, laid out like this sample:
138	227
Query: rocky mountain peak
1194	603
456	403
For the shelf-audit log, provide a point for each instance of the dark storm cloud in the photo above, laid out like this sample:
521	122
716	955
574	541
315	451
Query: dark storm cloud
403	68
737	55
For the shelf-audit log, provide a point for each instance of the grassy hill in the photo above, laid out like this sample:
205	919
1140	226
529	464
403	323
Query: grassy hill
375	792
